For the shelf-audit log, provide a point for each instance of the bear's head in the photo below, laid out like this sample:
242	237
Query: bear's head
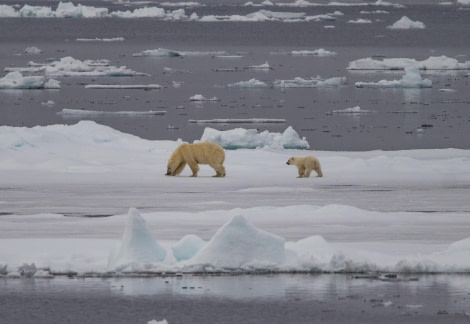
290	161
173	166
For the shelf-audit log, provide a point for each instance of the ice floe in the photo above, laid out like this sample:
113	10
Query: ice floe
252	83
262	67
353	111
317	82
79	113
163	52
252	138
123	86
138	247
199	97
411	79
71	67
16	80
407	23
32	50
238	121
96	39
317	52
431	63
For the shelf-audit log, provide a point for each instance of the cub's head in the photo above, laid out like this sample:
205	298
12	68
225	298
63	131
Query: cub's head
291	161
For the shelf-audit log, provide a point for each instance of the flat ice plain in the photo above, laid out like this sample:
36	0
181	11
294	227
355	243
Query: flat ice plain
385	110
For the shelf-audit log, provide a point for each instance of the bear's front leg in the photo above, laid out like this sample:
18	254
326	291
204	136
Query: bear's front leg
301	172
194	167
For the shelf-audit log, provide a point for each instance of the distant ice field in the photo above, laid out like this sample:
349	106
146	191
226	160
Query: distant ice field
393	121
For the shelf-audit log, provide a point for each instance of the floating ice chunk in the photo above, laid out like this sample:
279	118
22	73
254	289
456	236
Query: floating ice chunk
69	10
36	11
68	66
123	86
163	321
320	18
16	80
113	39
199	97
90	113
240	138
252	83
407	23
464	2
353	110
32	50
249	248
310	83
8	12
261	67
360	21
238	121
187	247
137	245
411	79
163	52
27	270
48	103
432	63
317	52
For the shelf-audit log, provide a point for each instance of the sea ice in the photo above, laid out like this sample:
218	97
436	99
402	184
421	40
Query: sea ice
411	79
317	82
431	63
199	97
16	80
353	110
79	113
252	83
138	247
238	138
407	23
250	248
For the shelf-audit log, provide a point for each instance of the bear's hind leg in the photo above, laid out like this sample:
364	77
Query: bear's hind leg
319	172
219	169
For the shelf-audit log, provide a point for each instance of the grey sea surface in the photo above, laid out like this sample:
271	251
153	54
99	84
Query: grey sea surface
394	115
282	298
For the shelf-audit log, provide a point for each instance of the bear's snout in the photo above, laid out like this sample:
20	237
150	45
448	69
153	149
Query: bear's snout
168	172
287	163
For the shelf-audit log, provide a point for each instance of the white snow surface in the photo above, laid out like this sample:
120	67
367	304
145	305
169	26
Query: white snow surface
273	227
406	23
16	80
239	138
432	63
71	67
411	79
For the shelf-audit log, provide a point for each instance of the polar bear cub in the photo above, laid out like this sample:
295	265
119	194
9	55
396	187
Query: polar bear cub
194	154
305	165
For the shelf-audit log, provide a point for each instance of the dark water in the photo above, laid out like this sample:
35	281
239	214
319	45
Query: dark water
396	113
237	299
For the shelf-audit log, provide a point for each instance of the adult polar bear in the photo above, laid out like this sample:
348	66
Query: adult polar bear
194	154
305	165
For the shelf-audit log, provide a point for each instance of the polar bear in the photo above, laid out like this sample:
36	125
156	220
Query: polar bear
194	154
305	165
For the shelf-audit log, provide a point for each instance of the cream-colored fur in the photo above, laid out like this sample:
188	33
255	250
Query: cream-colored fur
194	154
305	165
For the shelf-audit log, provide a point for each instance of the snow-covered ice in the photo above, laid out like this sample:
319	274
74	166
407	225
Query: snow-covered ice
432	63
406	23
411	79
238	138
71	67
80	113
316	82
259	218
123	86
200	97
353	110
16	80
252	83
